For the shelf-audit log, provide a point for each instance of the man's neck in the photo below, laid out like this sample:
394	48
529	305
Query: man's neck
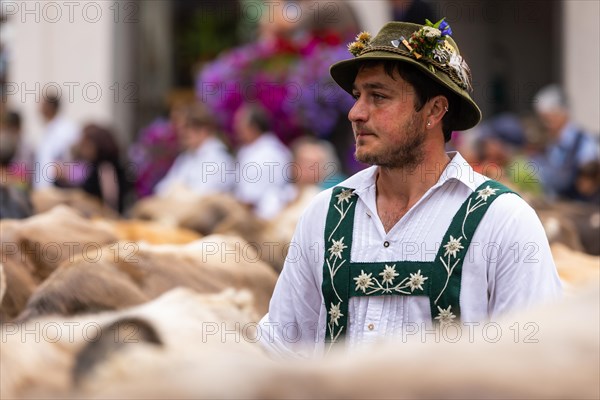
403	187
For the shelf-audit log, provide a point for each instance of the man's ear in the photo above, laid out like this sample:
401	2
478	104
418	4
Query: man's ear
437	107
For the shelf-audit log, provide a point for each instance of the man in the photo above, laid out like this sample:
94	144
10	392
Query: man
264	163
54	147
15	153
418	239
568	149
202	166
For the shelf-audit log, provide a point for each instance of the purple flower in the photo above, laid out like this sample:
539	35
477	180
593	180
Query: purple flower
291	81
445	28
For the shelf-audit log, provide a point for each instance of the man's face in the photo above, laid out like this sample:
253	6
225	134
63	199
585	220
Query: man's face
553	121
388	130
192	136
47	110
241	126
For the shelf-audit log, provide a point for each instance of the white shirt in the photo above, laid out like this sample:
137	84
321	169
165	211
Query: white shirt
508	265
264	171
54	147
203	170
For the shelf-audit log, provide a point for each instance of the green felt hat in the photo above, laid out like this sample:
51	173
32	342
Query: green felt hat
428	47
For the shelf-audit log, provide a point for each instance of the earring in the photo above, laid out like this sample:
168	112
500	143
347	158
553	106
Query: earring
446	108
428	123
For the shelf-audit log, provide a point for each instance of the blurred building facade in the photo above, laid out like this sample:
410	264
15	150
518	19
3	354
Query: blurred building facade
116	62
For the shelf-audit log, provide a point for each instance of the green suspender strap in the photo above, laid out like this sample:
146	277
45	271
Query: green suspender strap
439	279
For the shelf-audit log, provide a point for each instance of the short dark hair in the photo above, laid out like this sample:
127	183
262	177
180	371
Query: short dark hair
425	89
198	117
12	120
53	101
104	142
258	117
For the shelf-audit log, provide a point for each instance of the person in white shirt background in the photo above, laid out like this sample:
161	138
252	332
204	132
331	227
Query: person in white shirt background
418	240
203	165
54	147
263	170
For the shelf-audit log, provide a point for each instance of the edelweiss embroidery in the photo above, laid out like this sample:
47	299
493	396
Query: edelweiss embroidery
388	274
453	246
363	281
486	192
370	285
337	248
440	279
445	316
416	281
335	313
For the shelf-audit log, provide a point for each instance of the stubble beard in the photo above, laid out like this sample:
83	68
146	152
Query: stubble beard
407	154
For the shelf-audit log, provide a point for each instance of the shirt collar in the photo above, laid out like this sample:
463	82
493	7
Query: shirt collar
209	145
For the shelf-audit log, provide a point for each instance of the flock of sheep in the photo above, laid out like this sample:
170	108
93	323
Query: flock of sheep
166	305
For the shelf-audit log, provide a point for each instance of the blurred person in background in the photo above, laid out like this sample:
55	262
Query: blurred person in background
315	167
263	163
568	146
104	175
587	182
500	155
16	154
317	163
202	165
157	146
14	193
54	147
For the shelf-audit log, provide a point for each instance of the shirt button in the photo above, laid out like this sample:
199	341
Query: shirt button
371	327
386	244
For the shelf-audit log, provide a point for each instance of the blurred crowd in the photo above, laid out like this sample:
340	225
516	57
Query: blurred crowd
255	167
545	155
271	151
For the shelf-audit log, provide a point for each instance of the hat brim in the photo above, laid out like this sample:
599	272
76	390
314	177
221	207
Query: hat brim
344	73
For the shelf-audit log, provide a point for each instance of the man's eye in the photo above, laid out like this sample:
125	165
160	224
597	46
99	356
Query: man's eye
355	96
378	96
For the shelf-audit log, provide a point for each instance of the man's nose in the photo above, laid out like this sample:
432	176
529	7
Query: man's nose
358	112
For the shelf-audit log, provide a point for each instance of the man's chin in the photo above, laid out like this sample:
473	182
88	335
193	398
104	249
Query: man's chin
365	158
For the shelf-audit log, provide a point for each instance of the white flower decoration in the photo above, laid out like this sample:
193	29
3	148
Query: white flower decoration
462	70
345	196
431	32
389	273
453	246
337	248
335	313
416	281
441	55
456	62
363	281
486	192
445	316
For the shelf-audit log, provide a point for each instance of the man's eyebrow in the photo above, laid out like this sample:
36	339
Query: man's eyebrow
374	85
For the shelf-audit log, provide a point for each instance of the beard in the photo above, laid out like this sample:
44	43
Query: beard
406	154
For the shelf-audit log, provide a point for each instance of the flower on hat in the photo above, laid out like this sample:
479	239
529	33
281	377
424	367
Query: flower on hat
445	28
362	40
356	48
429	40
431	32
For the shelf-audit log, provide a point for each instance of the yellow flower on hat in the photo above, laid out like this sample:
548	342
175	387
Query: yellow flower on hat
364	37
356	47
